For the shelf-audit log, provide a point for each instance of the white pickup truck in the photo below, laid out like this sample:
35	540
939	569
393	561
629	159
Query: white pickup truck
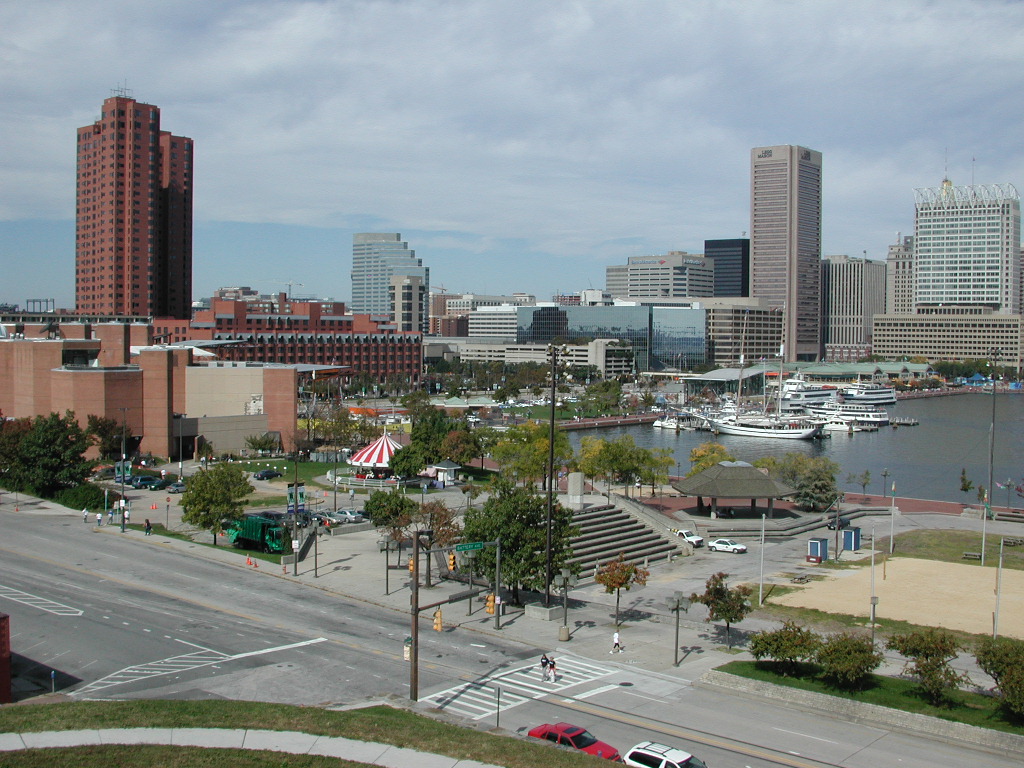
691	537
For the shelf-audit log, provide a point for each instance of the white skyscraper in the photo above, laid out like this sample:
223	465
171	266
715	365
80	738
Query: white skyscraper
852	293
377	258
785	241
967	248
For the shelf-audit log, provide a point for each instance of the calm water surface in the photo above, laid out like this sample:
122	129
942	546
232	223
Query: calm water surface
924	461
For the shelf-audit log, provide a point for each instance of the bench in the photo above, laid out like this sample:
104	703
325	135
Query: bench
972	555
1013	542
803	578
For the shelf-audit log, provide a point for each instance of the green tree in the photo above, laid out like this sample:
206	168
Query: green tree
998	655
965	484
519	516
788	646
522	451
620	574
408	461
429	432
106	436
12	432
444	522
51	456
929	653
847	659
707	455
460	446
215	497
261	444
813	478
725	604
486	438
394	511
417	404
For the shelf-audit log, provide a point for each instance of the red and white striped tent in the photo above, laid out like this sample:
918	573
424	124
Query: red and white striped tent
377	454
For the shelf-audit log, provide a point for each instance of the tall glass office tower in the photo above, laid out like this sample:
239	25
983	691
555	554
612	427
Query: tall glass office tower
377	257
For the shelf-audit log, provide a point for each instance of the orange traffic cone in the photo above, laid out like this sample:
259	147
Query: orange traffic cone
255	564
248	560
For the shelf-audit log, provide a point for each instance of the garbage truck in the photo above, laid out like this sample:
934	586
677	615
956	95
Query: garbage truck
259	531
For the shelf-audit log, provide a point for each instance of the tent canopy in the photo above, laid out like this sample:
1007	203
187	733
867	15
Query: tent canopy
377	454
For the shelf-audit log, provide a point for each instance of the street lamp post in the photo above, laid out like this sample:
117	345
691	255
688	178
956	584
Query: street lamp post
553	351
885	480
874	598
892	519
677	603
567	582
124	416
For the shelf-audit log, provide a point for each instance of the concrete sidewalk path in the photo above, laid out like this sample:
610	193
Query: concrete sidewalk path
292	742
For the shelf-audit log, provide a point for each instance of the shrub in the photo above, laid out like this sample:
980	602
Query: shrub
847	660
930	652
81	496
1002	658
788	645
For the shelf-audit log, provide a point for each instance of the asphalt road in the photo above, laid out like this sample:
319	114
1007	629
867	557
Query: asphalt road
120	618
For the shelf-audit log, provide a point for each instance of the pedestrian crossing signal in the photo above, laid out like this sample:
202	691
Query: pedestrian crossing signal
490	603
451	561
412	565
438	626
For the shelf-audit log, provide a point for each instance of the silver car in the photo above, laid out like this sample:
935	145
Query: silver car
345	516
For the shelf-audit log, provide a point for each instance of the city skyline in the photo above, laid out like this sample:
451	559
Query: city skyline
553	139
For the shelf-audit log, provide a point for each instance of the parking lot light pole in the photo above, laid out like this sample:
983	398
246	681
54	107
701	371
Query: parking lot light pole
677	603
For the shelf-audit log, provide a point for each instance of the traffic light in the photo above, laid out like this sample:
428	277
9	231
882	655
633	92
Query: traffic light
490	603
412	565
438	626
451	561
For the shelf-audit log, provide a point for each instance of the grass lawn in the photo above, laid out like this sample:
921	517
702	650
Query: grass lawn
206	540
949	547
382	724
897	693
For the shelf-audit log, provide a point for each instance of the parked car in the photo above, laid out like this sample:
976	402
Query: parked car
178	487
727	545
347	516
690	536
266	474
159	485
841	522
650	754
578	738
144	481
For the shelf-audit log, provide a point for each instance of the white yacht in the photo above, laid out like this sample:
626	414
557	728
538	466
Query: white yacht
869	392
862	413
764	426
797	393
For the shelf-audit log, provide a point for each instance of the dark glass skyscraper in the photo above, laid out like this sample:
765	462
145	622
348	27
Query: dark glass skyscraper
732	265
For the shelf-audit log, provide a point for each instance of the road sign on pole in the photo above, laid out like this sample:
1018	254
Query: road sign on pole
471	546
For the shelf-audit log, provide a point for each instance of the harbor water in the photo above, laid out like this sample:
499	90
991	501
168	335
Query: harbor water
924	461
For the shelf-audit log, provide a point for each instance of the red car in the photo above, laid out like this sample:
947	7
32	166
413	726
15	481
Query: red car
577	738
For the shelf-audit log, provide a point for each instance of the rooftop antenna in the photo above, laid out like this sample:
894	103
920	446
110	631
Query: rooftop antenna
122	90
945	164
973	160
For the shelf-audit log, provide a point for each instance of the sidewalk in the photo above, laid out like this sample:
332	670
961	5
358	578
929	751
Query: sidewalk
291	742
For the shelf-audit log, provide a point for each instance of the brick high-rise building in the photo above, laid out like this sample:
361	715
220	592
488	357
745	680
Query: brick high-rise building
133	215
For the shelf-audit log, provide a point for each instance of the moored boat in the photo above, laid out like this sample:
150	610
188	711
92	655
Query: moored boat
869	392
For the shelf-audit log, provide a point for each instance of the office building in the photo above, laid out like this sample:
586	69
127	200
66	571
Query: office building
409	303
133	214
852	292
661	338
958	336
899	277
731	260
967	247
676	274
376	258
785	241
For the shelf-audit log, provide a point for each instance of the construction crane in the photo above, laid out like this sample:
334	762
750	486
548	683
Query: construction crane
289	283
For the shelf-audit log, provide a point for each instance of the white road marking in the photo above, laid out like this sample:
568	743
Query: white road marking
478	645
806	736
42	603
597	691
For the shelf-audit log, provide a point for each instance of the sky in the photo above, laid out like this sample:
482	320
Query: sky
517	145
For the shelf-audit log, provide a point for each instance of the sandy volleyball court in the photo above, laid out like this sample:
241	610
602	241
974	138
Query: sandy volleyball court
925	592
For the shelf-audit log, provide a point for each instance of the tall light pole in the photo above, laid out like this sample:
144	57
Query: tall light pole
885	480
553	351
993	355
760	585
874	597
892	519
124	417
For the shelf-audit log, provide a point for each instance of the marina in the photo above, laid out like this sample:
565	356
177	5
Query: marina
925	461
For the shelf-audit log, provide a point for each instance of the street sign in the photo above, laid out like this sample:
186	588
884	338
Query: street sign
469	547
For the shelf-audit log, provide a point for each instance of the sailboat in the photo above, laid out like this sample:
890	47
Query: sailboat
773	426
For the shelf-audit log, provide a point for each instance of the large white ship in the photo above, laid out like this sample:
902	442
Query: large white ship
797	393
862	413
869	392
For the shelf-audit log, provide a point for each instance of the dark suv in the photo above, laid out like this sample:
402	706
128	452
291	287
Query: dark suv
144	481
266	474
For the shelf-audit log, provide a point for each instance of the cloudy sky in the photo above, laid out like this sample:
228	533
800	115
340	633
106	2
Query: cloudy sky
517	145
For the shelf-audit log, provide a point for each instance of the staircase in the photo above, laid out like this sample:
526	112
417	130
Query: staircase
607	531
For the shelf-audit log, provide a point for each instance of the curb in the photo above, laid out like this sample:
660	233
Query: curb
867	714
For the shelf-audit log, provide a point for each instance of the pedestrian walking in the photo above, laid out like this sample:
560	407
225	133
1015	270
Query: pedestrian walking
616	646
85	515
126	516
552	670
99	519
545	666
110	516
149	527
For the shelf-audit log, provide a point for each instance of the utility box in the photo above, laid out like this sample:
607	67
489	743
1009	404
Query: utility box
851	539
817	550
